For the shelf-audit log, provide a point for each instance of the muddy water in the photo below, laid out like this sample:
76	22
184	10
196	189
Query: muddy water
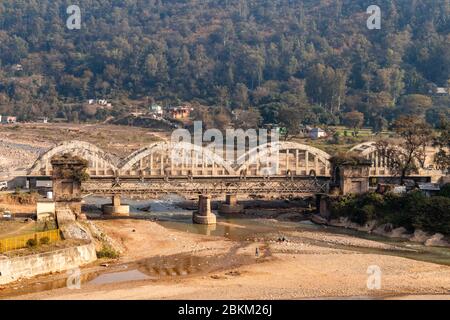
240	229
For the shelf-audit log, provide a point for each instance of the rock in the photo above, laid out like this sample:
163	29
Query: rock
318	219
419	236
388	227
371	225
383	230
437	240
398	233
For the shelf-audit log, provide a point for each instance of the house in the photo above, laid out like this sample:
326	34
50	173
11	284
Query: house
429	189
17	67
8	119
42	119
317	133
100	102
156	109
180	113
440	91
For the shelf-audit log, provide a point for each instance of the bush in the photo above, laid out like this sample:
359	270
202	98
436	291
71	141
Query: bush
433	215
31	243
411	211
445	190
401	210
44	240
359	209
107	252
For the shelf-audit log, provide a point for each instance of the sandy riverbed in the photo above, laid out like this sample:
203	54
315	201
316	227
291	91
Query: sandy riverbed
284	270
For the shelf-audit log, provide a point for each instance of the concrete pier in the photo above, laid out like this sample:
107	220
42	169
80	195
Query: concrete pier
204	214
116	208
231	205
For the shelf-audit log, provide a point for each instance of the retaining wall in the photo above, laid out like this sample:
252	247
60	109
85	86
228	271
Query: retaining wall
12	269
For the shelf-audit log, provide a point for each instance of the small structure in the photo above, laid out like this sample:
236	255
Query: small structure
180	113
17	67
429	189
8	119
441	91
68	173
45	209
317	133
3	185
351	174
156	109
43	119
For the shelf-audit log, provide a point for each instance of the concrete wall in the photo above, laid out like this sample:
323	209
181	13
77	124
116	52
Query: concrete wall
45	207
12	269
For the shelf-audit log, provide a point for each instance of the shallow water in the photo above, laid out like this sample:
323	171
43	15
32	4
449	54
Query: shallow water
242	228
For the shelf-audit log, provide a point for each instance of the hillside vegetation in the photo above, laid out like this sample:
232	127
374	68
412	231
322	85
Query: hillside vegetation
315	57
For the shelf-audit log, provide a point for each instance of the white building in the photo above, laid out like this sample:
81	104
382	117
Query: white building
317	133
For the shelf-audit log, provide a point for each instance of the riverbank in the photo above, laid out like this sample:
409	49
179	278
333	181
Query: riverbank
294	266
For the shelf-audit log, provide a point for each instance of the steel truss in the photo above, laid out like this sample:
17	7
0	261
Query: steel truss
214	186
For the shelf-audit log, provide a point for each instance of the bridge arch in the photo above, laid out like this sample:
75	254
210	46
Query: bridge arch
369	151
292	159
175	159
100	163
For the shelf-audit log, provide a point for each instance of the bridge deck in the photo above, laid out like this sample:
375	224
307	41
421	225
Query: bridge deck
190	186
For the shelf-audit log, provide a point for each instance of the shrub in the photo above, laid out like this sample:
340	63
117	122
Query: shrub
445	190
107	252
44	240
31	243
433	215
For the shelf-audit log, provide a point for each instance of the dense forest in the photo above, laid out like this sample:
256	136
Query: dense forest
314	61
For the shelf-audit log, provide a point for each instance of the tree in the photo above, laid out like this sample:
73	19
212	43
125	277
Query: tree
442	142
247	119
290	119
407	155
354	120
416	104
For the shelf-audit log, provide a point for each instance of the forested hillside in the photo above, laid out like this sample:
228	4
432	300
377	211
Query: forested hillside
313	58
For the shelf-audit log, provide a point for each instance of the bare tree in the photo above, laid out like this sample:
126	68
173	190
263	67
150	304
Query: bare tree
407	156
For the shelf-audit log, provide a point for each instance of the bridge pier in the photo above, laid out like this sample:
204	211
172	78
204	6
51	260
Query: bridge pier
116	208
231	205
204	215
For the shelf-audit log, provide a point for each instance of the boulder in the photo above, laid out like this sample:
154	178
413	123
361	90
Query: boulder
398	233
437	240
383	230
419	236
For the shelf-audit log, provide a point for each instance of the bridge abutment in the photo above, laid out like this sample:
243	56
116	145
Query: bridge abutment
231	205
68	173
116	208
204	215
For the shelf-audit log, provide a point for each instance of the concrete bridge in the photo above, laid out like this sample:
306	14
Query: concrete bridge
190	170
162	162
